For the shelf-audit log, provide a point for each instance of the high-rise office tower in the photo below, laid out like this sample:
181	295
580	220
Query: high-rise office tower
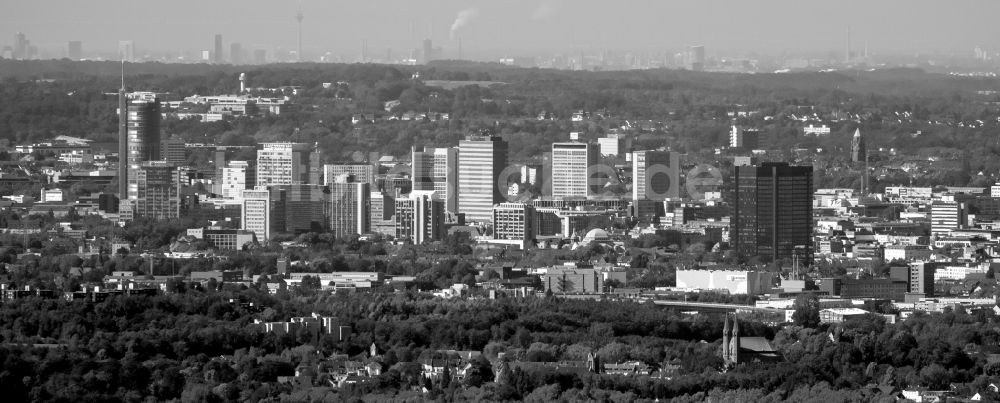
21	45
772	212
154	189
571	165
287	163
74	51
349	208
921	278
122	139
217	56
428	51
514	223
481	159
696	58
234	180
173	150
256	213
361	172
143	128
859	152
948	215
436	169
235	53
419	218
126	51
655	175
382	208
300	208
259	56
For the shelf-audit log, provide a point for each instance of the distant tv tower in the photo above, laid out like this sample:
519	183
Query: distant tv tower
298	17
847	50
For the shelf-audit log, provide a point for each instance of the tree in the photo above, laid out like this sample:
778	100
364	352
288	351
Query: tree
806	310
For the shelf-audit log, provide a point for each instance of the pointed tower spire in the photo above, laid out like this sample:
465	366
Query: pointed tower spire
734	349
725	340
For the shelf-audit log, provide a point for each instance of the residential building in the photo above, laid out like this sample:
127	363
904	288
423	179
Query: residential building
906	252
772	212
572	164
349	208
481	160
655	175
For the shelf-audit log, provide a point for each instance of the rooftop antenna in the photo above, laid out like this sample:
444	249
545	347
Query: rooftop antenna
298	17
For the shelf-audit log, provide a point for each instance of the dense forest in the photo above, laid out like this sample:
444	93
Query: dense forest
198	345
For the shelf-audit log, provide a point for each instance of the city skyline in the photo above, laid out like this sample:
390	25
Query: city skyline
484	27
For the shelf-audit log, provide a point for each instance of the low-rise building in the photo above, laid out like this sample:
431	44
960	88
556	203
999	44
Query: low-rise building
839	315
733	281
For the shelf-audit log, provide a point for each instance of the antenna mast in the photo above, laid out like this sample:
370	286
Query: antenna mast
298	17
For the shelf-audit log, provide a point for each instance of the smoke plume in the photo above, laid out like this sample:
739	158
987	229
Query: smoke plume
464	18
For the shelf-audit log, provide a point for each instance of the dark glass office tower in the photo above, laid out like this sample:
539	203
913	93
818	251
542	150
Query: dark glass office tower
772	212
143	128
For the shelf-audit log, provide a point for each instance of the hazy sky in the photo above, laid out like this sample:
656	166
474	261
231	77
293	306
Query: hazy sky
340	26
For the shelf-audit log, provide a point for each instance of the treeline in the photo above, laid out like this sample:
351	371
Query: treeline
695	106
202	344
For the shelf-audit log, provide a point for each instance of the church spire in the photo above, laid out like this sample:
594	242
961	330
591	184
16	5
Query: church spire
734	343
725	340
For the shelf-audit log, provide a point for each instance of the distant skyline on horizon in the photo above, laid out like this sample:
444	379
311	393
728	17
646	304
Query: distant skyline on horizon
512	27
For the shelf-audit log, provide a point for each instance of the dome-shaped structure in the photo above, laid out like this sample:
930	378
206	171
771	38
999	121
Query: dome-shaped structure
595	235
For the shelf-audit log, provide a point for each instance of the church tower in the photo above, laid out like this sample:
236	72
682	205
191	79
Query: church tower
734	343
725	341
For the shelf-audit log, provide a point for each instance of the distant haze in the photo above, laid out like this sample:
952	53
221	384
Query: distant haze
511	26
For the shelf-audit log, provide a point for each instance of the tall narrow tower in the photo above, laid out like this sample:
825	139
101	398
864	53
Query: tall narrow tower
298	17
858	149
859	156
847	47
122	138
